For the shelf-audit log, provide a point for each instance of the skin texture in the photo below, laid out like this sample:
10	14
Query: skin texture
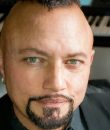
61	42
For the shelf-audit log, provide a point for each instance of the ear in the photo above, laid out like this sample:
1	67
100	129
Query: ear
92	55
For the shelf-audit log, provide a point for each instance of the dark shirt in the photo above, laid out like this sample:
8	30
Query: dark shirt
77	122
16	124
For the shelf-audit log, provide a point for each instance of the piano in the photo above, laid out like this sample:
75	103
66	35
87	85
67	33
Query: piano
99	20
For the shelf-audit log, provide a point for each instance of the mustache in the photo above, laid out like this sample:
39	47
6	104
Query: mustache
39	98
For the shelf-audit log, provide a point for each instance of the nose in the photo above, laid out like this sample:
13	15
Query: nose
55	79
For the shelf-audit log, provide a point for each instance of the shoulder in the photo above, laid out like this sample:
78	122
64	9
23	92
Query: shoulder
96	105
98	94
98	86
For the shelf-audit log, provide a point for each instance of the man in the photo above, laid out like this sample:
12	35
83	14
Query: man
45	59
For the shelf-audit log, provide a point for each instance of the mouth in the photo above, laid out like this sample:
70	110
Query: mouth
53	102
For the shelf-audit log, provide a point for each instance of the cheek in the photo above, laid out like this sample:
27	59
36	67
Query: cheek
22	83
79	87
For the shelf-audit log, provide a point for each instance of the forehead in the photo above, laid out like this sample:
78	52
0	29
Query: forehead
30	23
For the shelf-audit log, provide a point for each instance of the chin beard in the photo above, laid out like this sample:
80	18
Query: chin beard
49	119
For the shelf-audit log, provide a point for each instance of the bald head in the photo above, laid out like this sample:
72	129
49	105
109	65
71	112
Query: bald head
28	16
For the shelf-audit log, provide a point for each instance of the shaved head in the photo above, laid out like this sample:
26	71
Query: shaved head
22	9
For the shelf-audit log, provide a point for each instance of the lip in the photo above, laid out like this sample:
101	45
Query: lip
55	102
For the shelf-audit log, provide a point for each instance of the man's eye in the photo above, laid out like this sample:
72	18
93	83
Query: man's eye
32	60
73	62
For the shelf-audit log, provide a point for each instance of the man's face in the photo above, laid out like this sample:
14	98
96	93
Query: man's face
46	63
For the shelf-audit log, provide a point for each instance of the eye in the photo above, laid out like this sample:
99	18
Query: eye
73	61
33	60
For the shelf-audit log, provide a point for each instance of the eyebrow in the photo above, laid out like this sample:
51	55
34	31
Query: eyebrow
35	50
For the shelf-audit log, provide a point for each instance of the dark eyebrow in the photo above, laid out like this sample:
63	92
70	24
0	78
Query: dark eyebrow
35	50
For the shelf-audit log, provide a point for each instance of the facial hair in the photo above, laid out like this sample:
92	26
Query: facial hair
49	121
